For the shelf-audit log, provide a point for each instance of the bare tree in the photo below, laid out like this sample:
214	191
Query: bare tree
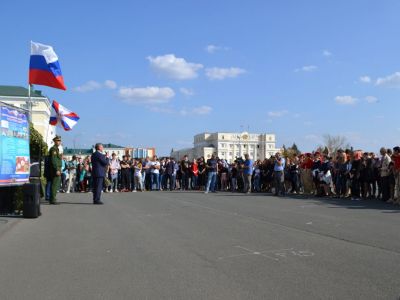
334	143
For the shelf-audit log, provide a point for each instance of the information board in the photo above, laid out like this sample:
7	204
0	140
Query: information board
14	146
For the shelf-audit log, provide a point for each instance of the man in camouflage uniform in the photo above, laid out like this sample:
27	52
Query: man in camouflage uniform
55	168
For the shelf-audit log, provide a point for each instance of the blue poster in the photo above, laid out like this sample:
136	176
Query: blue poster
14	146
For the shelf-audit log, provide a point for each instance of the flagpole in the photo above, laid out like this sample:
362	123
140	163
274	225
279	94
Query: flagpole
30	103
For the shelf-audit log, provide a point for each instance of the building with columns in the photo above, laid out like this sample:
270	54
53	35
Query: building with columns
230	145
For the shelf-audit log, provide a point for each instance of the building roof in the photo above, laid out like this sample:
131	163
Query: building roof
68	151
19	91
112	146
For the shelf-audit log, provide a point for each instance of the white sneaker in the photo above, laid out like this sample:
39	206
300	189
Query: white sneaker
116	191
111	191
206	192
68	192
134	191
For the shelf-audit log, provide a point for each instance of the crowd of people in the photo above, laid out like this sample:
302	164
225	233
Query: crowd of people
344	174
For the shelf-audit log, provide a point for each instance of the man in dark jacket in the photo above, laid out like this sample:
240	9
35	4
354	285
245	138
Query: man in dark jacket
99	165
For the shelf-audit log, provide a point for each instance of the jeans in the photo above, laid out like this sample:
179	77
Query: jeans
170	180
63	181
279	183
257	186
295	181
341	184
138	182
211	180
155	181
114	182
194	182
185	181
162	181
48	189
233	184
71	181
247	183
143	180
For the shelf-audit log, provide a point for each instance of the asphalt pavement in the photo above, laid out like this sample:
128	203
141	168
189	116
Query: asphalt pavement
189	245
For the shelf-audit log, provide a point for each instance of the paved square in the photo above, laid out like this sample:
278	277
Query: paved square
188	245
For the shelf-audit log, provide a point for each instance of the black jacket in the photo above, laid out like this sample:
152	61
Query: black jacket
99	164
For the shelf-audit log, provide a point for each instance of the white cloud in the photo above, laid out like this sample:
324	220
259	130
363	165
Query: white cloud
222	73
158	109
391	81
150	94
91	85
186	92
346	100
110	84
174	67
365	79
212	48
201	110
277	114
326	53
310	68
371	99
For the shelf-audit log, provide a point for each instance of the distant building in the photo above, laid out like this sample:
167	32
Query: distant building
230	145
41	108
141	152
110	149
68	153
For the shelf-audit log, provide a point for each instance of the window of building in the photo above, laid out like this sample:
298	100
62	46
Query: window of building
230	153
223	137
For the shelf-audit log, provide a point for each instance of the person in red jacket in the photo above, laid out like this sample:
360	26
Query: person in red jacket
195	174
305	173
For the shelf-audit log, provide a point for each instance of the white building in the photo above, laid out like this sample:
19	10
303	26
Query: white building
230	145
41	108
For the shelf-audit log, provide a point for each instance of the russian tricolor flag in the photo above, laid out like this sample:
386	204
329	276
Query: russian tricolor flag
62	116
44	68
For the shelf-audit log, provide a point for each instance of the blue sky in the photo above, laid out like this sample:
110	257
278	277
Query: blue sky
155	73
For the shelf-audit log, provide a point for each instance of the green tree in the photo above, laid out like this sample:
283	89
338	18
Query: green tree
38	146
295	149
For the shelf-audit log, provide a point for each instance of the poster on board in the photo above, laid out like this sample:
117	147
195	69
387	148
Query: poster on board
14	146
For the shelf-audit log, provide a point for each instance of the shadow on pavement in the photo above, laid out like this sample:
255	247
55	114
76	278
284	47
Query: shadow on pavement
76	203
342	202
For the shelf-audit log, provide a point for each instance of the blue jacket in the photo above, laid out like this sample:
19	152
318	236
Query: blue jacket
99	164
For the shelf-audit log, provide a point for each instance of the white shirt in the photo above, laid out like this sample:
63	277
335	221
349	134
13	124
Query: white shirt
155	163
